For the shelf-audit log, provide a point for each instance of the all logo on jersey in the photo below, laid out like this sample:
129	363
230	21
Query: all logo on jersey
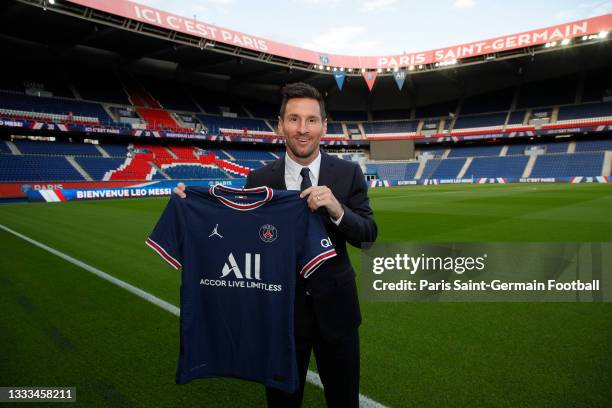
268	233
251	264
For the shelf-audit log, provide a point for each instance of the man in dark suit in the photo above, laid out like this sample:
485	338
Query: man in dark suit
326	311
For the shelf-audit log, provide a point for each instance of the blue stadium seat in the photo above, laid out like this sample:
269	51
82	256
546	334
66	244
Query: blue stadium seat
57	148
568	165
516	117
593	145
27	103
334	128
512	166
590	110
193	171
241	154
475	121
97	167
116	150
214	123
448	168
475	151
390	127
251	164
394	171
37	168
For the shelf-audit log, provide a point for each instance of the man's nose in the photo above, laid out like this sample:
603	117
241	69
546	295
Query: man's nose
302	127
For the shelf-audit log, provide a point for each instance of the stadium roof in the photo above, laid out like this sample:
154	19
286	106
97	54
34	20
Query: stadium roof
91	36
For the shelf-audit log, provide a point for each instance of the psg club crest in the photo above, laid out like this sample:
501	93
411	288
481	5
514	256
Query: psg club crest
268	233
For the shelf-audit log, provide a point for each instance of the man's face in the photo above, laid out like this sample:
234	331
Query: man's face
303	126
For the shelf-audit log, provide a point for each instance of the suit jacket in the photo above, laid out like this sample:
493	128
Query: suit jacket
332	286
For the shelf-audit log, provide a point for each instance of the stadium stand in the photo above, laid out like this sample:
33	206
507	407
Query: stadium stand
593	145
480	121
555	91
397	171
239	154
98	167
488	102
568	165
37	168
348	116
192	171
217	124
394	127
497	167
29	107
585	112
475	151
56	148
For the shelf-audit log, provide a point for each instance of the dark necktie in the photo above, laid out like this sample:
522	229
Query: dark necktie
305	179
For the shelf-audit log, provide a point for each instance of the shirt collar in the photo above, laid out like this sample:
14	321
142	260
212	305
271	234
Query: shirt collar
292	167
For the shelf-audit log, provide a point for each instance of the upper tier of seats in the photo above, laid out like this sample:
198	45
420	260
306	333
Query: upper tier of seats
80	111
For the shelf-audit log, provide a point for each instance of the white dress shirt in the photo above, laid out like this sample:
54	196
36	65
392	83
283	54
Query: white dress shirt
293	178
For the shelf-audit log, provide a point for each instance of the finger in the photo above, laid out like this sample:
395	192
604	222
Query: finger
179	193
307	191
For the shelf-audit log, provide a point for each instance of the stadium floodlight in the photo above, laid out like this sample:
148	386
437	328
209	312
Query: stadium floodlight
565	41
350	70
328	68
411	68
52	2
342	69
379	70
363	70
420	67
603	34
584	38
395	69
335	69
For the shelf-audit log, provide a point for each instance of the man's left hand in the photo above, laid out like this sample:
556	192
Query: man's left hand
322	196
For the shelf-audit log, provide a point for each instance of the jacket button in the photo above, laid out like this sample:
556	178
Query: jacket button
308	293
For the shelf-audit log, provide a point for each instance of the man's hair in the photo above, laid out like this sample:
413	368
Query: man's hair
301	90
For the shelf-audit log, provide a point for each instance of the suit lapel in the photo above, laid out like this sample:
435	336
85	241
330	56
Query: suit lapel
278	174
326	172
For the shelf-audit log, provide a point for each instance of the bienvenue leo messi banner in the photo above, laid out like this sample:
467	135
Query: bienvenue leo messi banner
376	183
154	189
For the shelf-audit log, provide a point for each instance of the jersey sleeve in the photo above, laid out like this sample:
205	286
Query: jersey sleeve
167	236
316	248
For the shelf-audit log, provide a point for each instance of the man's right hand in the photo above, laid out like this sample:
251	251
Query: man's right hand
179	190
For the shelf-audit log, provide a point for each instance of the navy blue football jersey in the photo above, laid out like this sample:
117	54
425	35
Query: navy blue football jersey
240	252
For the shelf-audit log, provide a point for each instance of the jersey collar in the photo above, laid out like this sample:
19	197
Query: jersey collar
217	189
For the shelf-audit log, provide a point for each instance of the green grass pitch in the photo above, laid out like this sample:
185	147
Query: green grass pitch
62	326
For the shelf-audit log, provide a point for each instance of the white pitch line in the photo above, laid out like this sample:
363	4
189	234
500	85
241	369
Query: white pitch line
311	376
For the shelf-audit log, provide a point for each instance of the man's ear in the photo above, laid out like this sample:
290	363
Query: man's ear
325	126
279	126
